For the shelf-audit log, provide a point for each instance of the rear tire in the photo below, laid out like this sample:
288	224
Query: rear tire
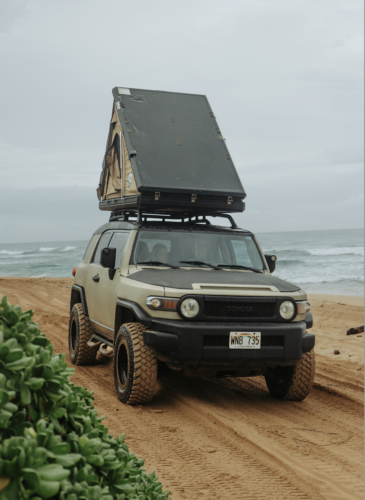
292	383
135	366
79	333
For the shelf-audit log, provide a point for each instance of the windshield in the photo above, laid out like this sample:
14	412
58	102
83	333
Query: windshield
219	249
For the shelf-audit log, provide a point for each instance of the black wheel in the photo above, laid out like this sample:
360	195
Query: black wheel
79	333
292	383
135	366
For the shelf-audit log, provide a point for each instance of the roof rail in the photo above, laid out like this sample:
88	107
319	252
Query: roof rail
226	216
184	217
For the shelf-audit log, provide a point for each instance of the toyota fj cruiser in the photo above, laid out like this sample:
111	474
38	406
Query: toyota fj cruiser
175	292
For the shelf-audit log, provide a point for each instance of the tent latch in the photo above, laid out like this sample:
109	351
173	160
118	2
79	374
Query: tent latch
229	200
193	198
157	196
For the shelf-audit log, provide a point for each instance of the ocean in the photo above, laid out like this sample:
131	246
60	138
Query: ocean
329	261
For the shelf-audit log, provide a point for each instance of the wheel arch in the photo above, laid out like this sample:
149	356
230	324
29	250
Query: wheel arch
129	312
78	297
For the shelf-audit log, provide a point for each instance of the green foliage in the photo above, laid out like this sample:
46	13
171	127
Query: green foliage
52	443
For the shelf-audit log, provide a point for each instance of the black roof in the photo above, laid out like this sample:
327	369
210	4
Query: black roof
175	144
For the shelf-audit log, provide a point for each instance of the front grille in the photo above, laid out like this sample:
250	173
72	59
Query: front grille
216	340
223	341
220	309
272	341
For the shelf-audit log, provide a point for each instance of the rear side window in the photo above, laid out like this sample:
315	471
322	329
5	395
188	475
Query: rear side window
103	243
119	241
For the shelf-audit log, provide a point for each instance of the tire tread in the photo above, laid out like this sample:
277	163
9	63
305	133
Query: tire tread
303	378
144	376
85	355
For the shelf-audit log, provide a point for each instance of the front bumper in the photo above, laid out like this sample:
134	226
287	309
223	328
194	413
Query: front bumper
204	343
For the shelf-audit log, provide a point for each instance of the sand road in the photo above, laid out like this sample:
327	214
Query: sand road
228	439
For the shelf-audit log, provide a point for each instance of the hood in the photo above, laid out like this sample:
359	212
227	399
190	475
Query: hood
183	278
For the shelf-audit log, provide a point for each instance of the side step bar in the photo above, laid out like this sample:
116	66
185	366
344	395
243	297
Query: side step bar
98	339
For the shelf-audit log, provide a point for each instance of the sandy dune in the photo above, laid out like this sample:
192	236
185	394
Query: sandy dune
228	439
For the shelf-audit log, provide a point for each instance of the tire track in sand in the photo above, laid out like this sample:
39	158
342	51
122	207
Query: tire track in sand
224	438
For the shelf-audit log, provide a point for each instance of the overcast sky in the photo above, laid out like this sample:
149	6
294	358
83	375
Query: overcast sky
284	78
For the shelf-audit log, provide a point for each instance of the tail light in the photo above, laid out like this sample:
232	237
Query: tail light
74	271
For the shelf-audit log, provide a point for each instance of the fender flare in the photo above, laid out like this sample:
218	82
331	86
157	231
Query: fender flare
80	290
137	310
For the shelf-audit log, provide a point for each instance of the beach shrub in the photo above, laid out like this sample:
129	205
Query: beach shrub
52	442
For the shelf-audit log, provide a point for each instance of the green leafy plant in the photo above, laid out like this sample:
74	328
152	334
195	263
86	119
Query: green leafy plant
52	442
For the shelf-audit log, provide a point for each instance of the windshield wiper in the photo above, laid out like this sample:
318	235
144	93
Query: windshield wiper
157	263
236	266
200	263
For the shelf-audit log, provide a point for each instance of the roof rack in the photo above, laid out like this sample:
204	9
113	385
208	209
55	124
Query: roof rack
183	217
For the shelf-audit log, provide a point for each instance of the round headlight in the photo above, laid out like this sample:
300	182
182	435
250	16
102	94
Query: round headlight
189	308
287	309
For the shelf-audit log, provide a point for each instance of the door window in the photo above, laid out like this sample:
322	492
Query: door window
103	243
119	241
87	248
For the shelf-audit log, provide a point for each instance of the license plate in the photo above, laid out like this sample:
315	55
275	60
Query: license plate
245	340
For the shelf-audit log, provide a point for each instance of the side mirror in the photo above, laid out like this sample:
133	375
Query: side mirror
107	258
271	262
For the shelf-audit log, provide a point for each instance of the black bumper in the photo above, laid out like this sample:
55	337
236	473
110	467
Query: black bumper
207	343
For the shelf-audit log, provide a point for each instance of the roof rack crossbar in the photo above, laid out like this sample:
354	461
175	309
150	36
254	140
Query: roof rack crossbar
200	217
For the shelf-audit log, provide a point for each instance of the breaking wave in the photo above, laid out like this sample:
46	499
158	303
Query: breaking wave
10	252
338	251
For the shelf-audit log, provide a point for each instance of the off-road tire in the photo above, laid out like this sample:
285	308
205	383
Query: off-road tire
135	366
79	333
292	383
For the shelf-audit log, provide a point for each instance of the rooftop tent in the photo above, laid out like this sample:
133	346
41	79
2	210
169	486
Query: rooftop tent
165	152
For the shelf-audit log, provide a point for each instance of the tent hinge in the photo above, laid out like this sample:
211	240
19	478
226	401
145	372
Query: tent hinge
229	200
157	196
193	198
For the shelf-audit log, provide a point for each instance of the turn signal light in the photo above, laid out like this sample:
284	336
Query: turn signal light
74	271
162	303
303	307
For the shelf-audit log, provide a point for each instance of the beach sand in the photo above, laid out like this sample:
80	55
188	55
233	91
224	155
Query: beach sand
227	438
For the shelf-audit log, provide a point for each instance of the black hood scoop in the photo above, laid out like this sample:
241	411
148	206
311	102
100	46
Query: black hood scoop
181	278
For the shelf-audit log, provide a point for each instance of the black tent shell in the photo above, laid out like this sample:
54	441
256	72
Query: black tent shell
175	152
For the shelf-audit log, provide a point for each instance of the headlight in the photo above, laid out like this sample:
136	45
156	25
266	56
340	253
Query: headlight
303	307
162	303
287	309
189	308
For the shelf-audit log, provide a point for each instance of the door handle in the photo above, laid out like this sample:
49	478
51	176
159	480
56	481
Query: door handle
96	279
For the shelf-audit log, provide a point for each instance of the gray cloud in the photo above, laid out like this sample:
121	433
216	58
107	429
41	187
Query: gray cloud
285	80
49	214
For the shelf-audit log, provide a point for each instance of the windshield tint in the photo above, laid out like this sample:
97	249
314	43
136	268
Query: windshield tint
172	247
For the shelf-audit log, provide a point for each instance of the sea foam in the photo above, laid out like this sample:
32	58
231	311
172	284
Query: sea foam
10	252
338	251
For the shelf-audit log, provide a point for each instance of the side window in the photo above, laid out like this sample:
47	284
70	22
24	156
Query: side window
103	242
119	241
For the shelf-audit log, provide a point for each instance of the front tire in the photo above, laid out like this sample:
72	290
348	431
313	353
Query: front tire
79	333
292	383
135	366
